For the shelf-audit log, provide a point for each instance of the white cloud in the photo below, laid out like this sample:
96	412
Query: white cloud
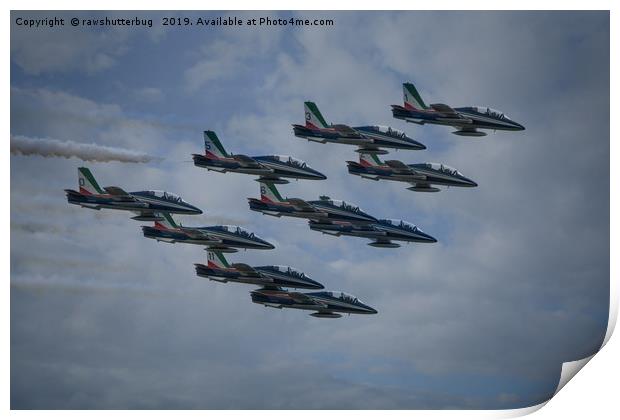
228	56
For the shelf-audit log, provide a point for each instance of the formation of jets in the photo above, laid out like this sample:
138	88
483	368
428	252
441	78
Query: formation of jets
325	215
337	217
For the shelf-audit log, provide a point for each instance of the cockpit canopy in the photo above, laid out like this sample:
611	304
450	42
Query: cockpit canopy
492	112
389	131
443	168
345	205
236	230
290	160
401	224
165	195
343	296
289	270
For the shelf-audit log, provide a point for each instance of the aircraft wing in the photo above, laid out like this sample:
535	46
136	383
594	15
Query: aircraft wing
246	161
119	194
197	234
115	191
343	129
305	299
399	167
450	114
444	109
301	205
245	269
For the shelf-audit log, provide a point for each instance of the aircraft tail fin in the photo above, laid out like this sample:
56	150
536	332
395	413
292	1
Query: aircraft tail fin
167	222
412	98
269	193
370	159
216	259
314	119
213	145
88	184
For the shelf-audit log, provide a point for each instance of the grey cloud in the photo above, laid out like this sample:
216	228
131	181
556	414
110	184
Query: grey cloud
54	50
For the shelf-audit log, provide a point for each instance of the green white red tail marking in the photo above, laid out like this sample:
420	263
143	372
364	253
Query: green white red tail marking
314	119
215	259
213	146
269	193
370	159
88	184
168	223
412	98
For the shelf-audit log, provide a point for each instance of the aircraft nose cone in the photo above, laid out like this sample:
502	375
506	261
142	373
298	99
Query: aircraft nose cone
313	284
426	237
263	244
319	175
470	183
370	218
418	145
195	210
370	310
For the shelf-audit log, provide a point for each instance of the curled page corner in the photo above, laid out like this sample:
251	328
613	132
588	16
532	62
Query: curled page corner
570	369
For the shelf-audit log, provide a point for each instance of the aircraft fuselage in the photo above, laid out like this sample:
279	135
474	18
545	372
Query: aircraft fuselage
468	119
143	203
321	302
210	237
422	174
370	137
321	210
264	275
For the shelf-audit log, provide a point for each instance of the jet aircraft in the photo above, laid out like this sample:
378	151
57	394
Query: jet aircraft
382	233
368	138
223	238
143	203
326	304
465	119
324	210
270	167
421	175
269	276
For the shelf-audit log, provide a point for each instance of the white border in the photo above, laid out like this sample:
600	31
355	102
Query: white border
594	386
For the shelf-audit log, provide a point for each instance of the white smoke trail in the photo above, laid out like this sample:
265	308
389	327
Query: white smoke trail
22	145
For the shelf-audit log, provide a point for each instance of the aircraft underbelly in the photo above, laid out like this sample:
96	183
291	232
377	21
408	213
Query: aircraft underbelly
254	171
89	206
271	213
355	142
316	139
164	239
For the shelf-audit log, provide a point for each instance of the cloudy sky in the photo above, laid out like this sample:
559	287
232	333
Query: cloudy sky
517	284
